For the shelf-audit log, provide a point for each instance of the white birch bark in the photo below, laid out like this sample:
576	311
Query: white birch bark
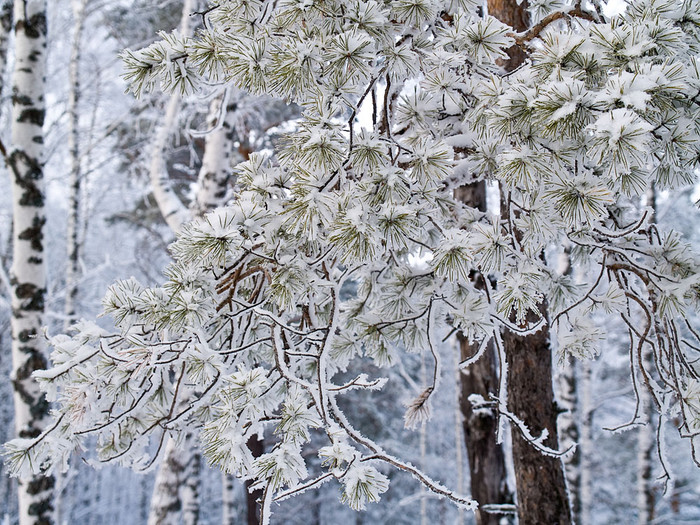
213	179
423	443
645	447
165	502
171	207
28	273
74	183
72	244
569	417
6	488
569	433
459	433
212	182
586	442
228	498
189	488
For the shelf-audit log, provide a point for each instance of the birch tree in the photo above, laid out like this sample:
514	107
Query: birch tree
74	94
28	271
175	495
74	204
570	418
173	491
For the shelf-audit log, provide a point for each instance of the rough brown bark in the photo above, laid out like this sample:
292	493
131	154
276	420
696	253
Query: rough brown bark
487	467
516	16
540	481
257	448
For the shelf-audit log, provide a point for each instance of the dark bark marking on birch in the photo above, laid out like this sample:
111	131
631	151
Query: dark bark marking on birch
40	484
35	361
32	195
33	115
33	27
25	336
40	508
25	163
38	406
21	100
32	297
34	234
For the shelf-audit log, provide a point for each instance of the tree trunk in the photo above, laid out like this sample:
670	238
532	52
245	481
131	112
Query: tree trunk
165	502
6	487
460	440
586	444
540	482
72	242
257	448
171	207
74	183
646	498
191	478
541	486
423	446
645	449
228	499
569	434
214	177
487	466
212	183
28	272
570	414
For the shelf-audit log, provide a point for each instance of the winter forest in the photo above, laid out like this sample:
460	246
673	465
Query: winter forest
349	262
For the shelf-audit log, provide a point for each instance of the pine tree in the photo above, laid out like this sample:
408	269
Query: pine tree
540	482
250	334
